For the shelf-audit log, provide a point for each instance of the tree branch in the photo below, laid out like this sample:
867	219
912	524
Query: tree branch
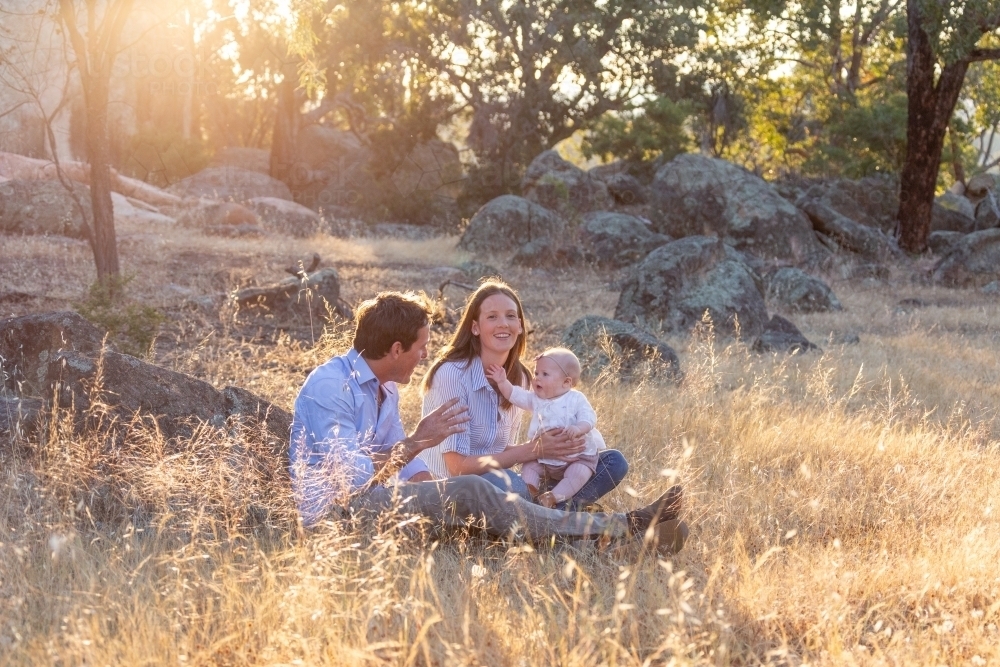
979	55
68	15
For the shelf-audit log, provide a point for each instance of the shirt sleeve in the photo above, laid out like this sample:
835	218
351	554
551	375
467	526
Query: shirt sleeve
446	385
328	442
396	431
523	399
412	468
396	434
584	411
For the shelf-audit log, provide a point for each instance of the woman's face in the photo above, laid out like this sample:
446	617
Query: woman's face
498	325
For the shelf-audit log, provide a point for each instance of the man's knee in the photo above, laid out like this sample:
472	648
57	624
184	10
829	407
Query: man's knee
471	484
472	493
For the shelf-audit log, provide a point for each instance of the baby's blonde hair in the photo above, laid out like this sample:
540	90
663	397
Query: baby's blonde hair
565	360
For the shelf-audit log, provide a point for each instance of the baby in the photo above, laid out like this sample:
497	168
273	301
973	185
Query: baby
553	404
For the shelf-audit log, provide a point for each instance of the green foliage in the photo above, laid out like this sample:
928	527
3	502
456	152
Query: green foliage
826	95
571	63
979	119
955	27
162	156
658	129
130	326
865	138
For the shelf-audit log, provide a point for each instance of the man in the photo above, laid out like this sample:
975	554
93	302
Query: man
347	440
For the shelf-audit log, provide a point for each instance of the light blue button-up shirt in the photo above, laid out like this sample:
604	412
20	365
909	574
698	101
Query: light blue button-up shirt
336	429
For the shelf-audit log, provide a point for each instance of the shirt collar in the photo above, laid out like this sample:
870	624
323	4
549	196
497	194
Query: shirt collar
477	376
360	370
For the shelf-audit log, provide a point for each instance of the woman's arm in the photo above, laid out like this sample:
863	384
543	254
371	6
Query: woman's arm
552	444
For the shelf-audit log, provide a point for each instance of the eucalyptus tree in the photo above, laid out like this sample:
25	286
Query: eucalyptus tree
95	37
827	97
533	73
944	37
521	75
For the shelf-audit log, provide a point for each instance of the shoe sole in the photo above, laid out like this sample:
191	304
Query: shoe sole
670	508
667	537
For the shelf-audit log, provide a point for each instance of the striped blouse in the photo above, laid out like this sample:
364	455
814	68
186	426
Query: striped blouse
490	429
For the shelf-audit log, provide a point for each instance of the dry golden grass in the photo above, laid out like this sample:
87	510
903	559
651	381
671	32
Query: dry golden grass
843	505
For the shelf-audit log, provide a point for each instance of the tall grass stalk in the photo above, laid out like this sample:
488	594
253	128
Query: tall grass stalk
833	521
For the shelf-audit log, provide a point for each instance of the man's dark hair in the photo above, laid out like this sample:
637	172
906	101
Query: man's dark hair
389	317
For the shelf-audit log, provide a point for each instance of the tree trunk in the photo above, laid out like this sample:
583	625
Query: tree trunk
957	168
286	122
929	110
103	242
94	63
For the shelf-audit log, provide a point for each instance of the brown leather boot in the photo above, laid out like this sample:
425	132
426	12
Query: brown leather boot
665	508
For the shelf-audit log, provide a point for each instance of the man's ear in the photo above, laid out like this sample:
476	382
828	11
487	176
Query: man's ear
396	349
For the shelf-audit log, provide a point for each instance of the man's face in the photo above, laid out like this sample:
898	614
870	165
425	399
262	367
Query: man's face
408	360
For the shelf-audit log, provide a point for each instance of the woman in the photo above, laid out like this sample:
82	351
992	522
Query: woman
492	331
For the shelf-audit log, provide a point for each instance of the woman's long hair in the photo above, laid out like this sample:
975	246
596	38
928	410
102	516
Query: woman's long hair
466	347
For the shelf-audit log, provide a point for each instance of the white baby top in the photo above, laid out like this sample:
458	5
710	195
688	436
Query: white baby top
566	410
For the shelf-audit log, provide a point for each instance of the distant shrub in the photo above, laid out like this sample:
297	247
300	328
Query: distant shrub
163	157
131	327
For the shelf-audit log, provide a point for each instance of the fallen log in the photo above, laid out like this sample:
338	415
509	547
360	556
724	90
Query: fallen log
13	166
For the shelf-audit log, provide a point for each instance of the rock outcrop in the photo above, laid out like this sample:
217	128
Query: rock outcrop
334	170
432	167
677	283
28	345
220	218
133	211
295	299
285	217
545	252
616	239
699	195
230	184
870	242
871	201
605	346
60	355
561	186
988	211
507	223
780	335
623	186
941	242
796	290
972	260
980	185
43	207
953	213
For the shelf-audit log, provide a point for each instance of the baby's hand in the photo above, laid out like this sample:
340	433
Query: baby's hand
496	373
573	432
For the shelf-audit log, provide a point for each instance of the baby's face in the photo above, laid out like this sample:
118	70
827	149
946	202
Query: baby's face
550	381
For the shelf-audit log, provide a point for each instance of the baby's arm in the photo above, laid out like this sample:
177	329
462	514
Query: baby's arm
578	429
520	397
499	375
586	418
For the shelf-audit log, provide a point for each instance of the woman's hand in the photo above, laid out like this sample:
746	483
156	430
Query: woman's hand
556	443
